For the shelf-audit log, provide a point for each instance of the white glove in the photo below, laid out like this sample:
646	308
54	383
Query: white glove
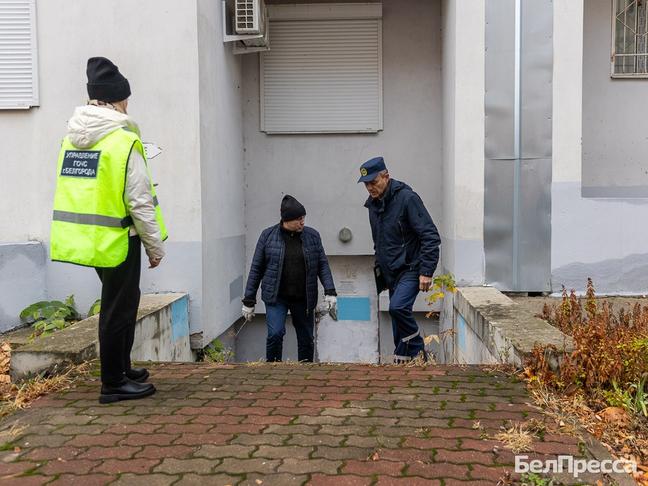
331	301
331	304
248	313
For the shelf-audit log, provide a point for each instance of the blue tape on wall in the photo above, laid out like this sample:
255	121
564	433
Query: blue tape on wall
461	333
354	309
179	319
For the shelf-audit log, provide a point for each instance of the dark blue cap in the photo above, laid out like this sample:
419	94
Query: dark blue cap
371	168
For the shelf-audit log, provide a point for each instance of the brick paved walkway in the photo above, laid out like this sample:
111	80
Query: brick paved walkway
277	425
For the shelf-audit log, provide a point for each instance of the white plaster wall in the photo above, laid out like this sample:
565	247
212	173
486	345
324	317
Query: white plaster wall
155	47
614	134
463	139
321	170
221	153
599	238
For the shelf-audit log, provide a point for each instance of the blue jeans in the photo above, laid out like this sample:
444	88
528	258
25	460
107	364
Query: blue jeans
304	323
407	338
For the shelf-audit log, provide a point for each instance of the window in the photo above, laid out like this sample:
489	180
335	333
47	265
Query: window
323	73
630	38
18	54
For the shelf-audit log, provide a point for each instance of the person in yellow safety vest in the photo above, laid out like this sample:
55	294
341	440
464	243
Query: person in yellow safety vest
105	207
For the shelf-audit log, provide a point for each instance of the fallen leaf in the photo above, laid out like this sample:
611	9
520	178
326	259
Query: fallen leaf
614	415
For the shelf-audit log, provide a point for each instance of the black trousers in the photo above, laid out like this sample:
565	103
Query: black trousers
120	296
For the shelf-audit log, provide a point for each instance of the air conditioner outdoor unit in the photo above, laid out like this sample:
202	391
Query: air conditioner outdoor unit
249	16
248	27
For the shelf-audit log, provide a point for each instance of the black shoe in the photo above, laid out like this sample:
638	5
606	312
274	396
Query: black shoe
129	390
140	375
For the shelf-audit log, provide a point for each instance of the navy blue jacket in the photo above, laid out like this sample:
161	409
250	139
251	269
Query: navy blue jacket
405	237
267	265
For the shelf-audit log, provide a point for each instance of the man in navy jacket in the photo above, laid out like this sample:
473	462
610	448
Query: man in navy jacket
288	259
406	243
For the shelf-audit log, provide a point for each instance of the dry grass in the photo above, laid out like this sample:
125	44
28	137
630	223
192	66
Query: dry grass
625	436
517	438
16	396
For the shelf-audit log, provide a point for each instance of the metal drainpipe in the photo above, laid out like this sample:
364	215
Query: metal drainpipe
517	142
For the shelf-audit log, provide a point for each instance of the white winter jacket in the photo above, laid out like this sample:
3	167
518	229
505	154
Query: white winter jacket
91	123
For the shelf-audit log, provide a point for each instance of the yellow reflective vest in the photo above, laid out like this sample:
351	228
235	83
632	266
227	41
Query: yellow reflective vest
90	223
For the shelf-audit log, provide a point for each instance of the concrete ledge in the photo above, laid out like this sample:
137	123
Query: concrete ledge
161	334
491	328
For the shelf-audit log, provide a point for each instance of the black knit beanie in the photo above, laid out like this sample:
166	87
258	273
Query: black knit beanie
105	82
291	208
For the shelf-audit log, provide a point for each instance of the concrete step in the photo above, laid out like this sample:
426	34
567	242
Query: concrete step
161	334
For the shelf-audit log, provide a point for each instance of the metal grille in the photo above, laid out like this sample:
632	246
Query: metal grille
18	77
246	16
630	38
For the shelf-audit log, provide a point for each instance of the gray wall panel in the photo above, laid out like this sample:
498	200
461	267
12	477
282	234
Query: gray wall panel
517	234
537	73
500	86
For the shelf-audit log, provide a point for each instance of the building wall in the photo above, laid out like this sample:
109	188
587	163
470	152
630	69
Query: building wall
222	185
162	66
602	238
614	134
321	170
463	139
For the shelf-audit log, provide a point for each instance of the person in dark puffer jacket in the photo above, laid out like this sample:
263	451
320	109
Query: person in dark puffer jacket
288	259
406	243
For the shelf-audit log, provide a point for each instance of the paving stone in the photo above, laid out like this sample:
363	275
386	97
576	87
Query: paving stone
243	466
201	439
15	468
171	465
292	429
373	441
79	466
409	481
338	480
84	480
464	457
46	453
147	480
281	452
35	480
105	440
355	430
215	479
147	439
342	453
438	471
315	440
161	452
284	479
370	467
135	466
267	439
218	452
407	456
320	420
52	440
299	466
122	452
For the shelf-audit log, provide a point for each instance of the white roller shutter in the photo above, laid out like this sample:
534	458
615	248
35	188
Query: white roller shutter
18	54
322	76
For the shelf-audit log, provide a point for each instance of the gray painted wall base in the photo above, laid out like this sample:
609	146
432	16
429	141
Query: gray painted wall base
22	279
161	334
